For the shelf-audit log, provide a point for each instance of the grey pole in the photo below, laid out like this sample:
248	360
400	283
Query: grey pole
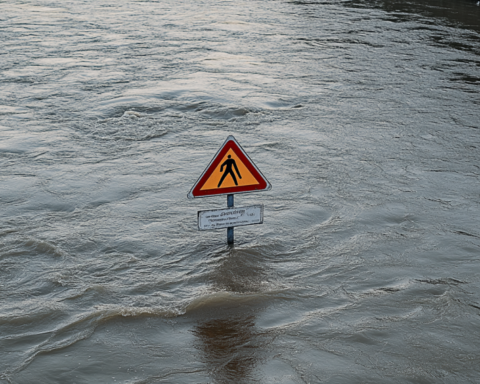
230	229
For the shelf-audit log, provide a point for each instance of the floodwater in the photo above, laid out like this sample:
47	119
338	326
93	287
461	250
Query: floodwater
362	114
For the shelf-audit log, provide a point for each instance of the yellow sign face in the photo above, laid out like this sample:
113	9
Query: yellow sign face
230	172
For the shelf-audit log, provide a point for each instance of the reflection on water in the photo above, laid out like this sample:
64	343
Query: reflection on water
230	347
230	343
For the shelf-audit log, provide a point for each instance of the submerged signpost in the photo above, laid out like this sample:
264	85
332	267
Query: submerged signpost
231	171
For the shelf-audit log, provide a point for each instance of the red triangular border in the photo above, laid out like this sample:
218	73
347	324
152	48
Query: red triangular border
230	143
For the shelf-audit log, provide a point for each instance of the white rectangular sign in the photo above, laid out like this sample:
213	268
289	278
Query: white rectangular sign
230	217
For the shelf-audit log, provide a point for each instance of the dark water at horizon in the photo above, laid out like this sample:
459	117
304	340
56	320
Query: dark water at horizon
363	115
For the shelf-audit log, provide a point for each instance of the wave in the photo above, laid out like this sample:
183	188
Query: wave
82	326
225	298
79	328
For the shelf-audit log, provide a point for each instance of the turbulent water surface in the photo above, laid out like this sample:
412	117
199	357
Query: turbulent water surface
363	115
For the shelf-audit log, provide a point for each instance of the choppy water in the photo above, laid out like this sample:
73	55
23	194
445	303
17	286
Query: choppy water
364	116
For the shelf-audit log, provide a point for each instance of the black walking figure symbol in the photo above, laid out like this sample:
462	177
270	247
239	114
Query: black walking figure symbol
228	170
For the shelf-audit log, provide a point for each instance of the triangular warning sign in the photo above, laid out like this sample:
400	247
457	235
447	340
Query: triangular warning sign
230	171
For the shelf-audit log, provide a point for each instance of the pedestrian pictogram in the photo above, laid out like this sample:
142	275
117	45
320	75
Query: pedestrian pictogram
230	171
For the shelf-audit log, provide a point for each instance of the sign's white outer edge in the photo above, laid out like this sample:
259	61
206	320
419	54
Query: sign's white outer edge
260	206
229	138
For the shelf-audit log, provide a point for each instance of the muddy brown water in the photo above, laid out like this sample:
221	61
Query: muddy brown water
363	115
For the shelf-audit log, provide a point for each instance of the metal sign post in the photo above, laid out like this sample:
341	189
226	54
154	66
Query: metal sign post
230	235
